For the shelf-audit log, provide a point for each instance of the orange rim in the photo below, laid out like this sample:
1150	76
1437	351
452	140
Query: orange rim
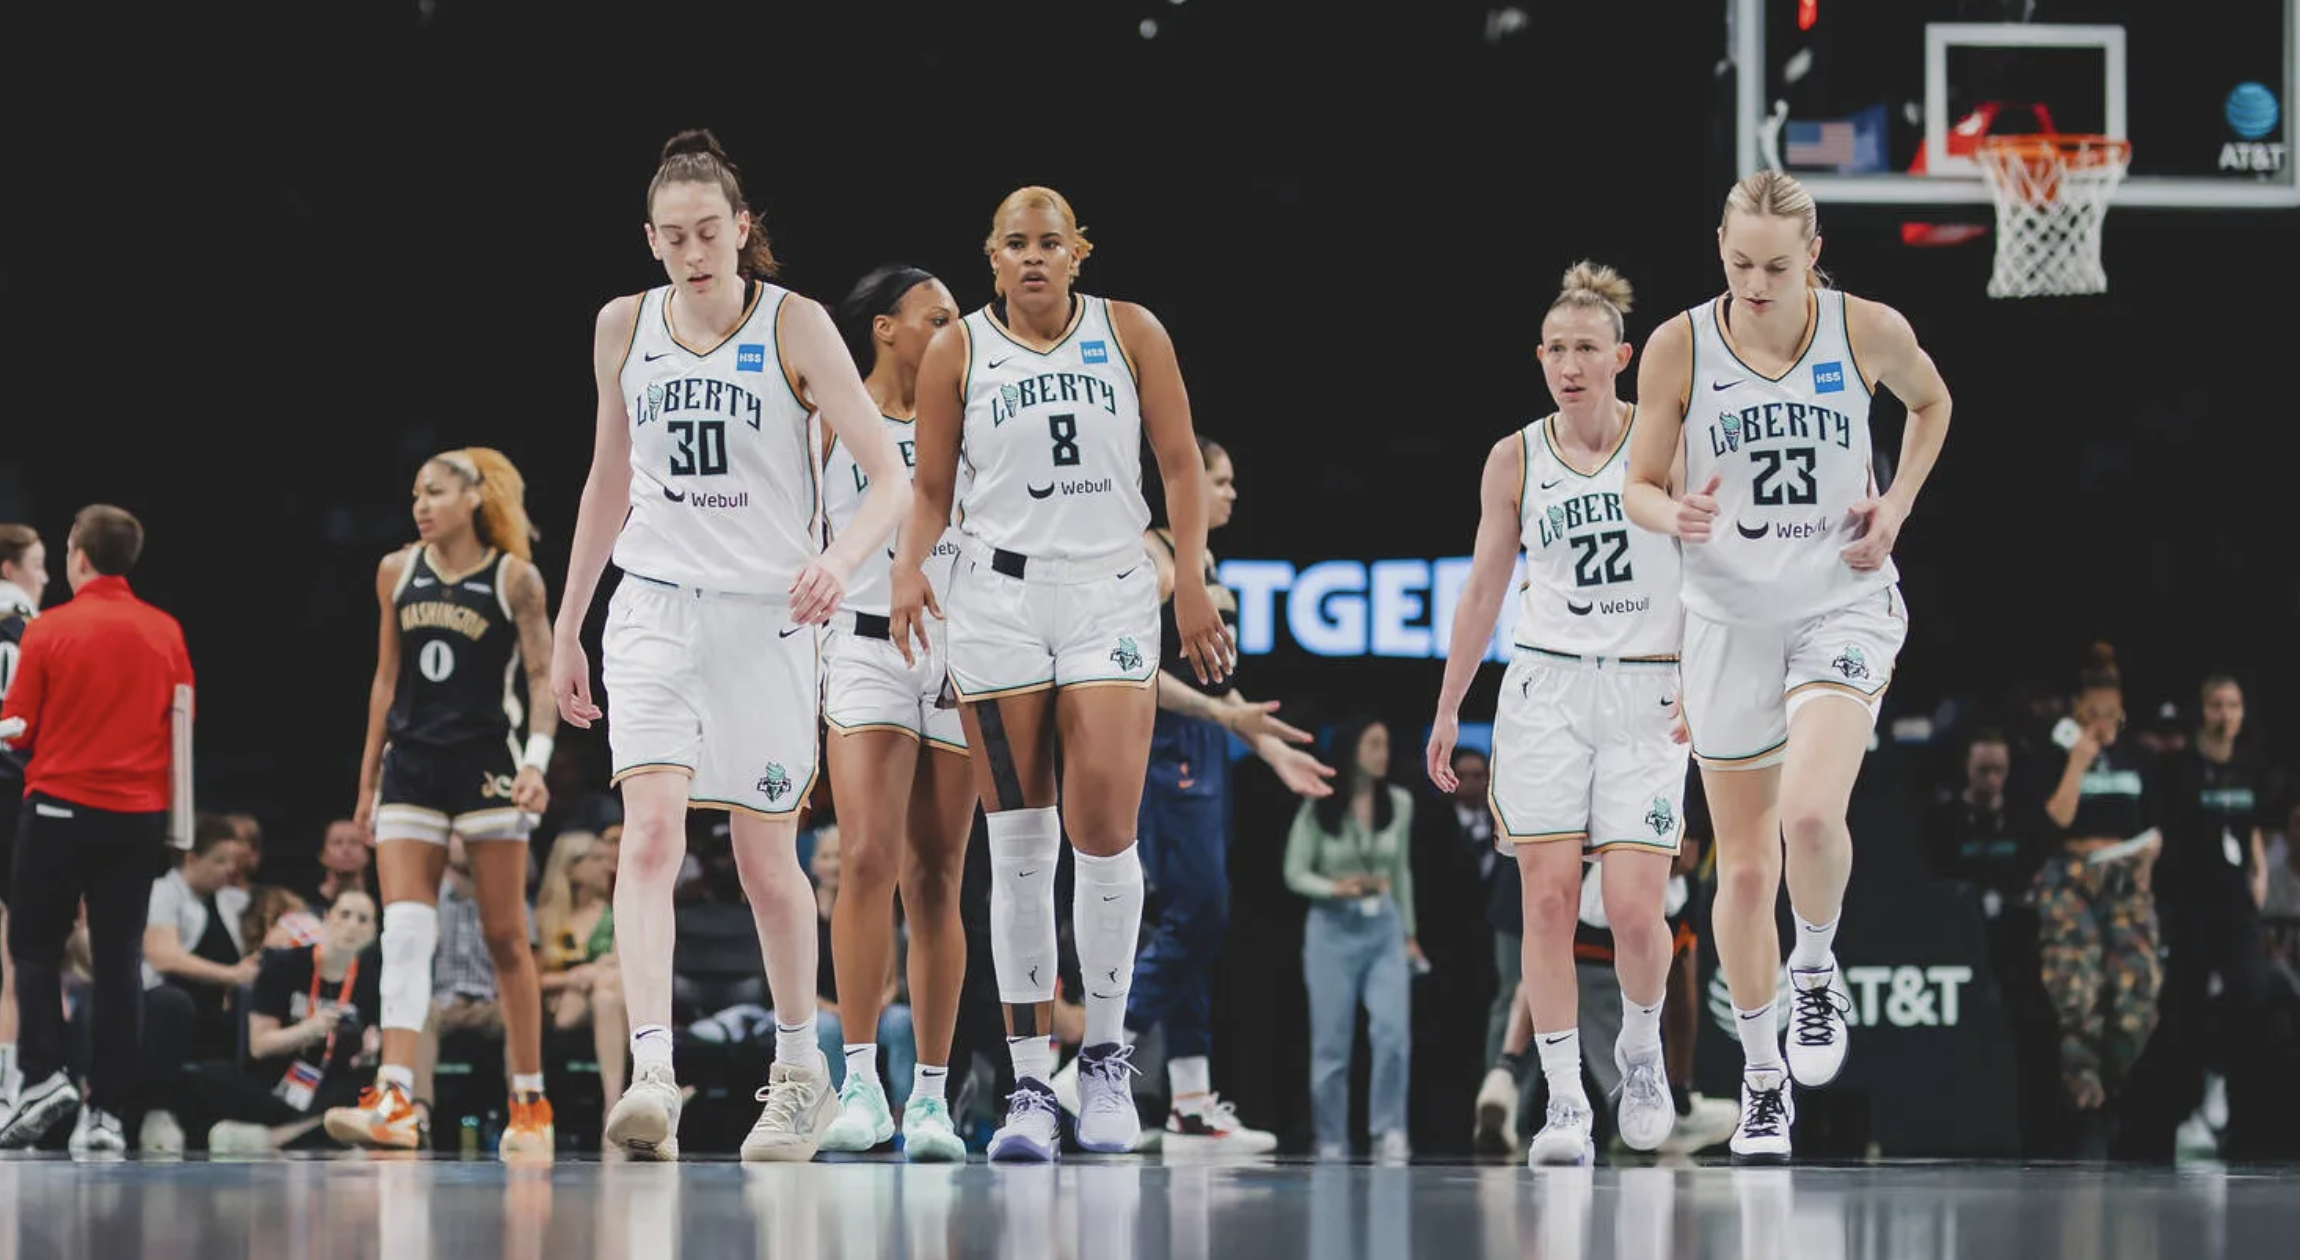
2070	150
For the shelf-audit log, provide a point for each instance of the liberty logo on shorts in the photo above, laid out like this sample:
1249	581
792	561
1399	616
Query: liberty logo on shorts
751	358
1851	663
1829	378
1126	655
1093	352
775	781
1661	818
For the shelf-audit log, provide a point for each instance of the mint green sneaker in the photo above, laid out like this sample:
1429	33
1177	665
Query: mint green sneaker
927	1137
864	1121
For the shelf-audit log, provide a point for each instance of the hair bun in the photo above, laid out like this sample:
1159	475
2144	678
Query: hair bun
2100	655
695	141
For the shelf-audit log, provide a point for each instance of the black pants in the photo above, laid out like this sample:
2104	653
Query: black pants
65	852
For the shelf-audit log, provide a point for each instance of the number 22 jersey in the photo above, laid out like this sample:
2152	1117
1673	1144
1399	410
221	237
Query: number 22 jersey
1595	584
723	491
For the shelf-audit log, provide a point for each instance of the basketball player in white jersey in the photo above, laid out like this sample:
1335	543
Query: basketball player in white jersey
1585	766
1047	394
702	484
1793	613
898	760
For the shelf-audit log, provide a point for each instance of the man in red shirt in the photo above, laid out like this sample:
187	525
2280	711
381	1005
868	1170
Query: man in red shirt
95	688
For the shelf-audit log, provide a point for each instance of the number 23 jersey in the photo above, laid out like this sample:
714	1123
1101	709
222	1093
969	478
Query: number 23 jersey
1053	440
723	490
1794	455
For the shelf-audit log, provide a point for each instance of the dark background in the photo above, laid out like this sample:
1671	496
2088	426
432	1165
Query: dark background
259	261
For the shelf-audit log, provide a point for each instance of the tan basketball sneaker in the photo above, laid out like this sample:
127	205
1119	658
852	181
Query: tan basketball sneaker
384	1120
800	1108
530	1135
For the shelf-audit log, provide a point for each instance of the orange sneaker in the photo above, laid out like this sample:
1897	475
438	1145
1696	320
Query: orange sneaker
383	1120
529	1135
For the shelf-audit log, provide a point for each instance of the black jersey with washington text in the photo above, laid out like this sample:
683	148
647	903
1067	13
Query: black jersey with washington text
459	660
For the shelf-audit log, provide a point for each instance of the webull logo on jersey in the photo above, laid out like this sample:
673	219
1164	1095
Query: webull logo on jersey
1580	510
1779	422
679	396
1052	387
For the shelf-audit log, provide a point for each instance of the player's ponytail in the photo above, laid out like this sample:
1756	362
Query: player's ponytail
879	293
502	515
694	157
1594	286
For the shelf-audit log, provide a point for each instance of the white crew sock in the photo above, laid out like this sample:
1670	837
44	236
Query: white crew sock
1024	847
1106	916
1033	1058
404	1077
862	1062
795	1043
1760	1037
527	1083
930	1081
1640	1026
1561	1064
410	938
650	1046
1814	942
1190	1079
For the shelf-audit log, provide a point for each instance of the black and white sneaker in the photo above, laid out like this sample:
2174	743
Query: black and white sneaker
98	1133
1768	1111
1817	1038
39	1109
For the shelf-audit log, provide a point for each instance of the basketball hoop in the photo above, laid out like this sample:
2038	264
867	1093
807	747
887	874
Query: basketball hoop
2051	193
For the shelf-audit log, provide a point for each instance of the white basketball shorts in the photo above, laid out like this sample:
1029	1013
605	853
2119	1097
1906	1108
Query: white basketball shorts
722	687
1020	625
1744	682
1581	752
868	687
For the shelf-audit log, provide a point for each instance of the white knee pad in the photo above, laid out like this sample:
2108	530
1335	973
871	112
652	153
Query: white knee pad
1024	844
410	938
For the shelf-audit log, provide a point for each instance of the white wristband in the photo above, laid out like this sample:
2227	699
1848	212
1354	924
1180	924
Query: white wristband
538	753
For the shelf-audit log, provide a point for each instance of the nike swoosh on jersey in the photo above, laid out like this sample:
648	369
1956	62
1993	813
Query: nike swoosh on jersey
1552	485
994	363
793	630
1723	384
652	357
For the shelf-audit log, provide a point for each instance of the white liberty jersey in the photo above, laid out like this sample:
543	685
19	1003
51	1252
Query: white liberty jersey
723	492
1794	457
1595	584
871	588
1054	440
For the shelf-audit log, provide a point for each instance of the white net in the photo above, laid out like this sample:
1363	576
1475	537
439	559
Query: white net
2051	194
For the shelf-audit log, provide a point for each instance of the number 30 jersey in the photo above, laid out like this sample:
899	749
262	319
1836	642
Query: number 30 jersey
1053	440
1794	456
1595	584
723	492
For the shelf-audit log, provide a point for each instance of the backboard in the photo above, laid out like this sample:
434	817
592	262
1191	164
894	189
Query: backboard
1867	101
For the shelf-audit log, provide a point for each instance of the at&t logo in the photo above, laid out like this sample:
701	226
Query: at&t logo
1906	997
2252	114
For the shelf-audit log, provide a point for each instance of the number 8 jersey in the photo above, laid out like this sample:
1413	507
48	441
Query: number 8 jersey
1794	456
1053	440
723	492
1595	584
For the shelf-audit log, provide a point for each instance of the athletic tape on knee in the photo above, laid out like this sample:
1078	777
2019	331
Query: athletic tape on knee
1106	918
1024	845
410	938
